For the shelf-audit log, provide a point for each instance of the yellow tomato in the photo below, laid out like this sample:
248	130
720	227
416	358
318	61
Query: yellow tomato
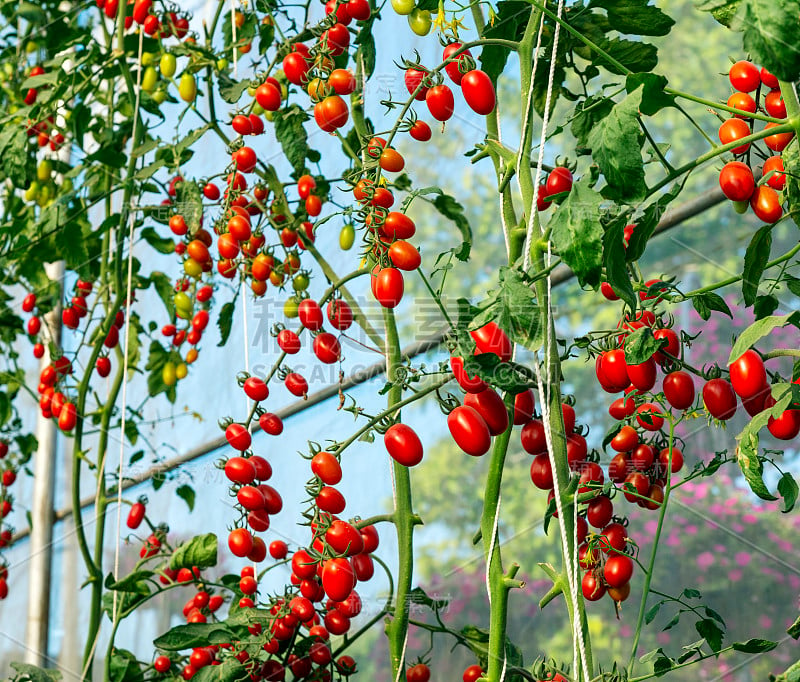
168	374
347	237
168	65
149	79
181	371
187	88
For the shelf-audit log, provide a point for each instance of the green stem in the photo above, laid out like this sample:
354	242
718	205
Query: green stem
651	565
782	353
397	629
735	278
790	99
499	586
718	151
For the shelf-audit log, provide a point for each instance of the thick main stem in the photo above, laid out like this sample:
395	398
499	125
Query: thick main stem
404	519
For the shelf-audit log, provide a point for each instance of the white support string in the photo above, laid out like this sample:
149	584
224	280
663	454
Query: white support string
579	646
126	336
233	40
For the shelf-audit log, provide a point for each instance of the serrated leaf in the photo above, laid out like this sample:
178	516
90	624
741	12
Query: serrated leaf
754	333
200	551
616	143
791	164
32	673
634	55
707	301
754	646
724	11
159	243
124	667
190	635
635	17
615	263
654	99
225	321
770	35
662	666
291	134
231	90
755	260
577	235
640	346
230	670
788	490
450	208
650	616
587	114
711	632
186	493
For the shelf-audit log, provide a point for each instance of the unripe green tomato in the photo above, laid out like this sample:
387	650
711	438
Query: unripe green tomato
741	206
284	91
44	170
168	374
251	91
222	64
13	109
45	194
300	282
168	65
269	115
181	300
420	21
347	237
148	58
31	47
8	69
32	192
403	7
149	79
258	110
67	186
290	308
187	88
192	268
160	96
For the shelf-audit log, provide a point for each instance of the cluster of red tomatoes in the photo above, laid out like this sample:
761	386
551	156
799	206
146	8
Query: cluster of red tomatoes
558	182
53	403
7	479
736	178
484	414
44	130
141	12
476	86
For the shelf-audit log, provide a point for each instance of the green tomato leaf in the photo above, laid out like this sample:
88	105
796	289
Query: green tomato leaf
706	302
292	136
654	99
635	17
230	670
770	35
31	673
709	630
641	345
616	143
159	243
577	234
588	113
755	260
791	164
225	321
190	635
724	11
125	667
634	55
614	260
186	493
788	490
755	332
200	551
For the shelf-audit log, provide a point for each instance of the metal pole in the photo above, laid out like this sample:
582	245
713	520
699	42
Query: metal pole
44	467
